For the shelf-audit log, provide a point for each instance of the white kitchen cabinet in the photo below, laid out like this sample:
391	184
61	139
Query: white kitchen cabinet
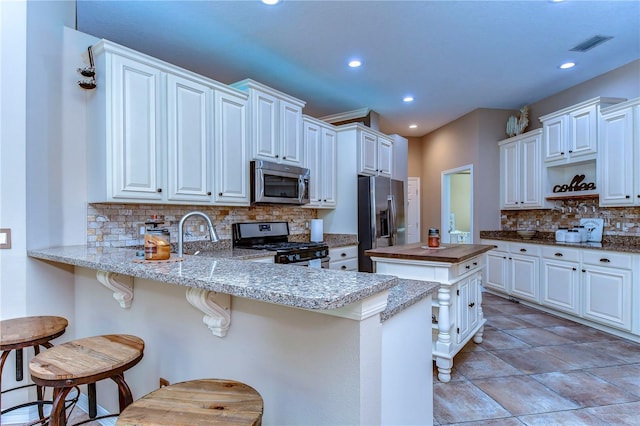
560	279
513	269
375	154
320	145
607	280
571	134
469	304
618	165
276	124
189	113
344	258
162	134
231	158
593	287
125	129
521	177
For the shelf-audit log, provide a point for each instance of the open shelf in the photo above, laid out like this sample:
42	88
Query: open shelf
572	196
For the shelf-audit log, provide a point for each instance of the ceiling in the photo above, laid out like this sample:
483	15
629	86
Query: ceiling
451	56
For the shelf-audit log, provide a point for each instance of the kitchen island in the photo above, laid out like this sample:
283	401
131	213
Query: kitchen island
321	346
457	313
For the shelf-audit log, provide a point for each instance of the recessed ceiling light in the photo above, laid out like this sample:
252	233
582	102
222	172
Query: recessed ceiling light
270	2
567	65
408	99
355	63
413	126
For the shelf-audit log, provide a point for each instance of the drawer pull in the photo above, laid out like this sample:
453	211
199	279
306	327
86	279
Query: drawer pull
584	270
468	267
472	304
523	250
605	260
343	267
558	254
574	269
475	263
343	254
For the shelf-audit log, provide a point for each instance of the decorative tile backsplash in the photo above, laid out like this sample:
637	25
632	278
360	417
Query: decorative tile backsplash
118	225
569	212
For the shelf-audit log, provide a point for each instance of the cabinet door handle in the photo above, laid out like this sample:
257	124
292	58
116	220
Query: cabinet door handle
562	153
277	156
574	269
343	254
605	260
570	151
511	258
584	270
627	196
472	304
219	194
159	190
209	193
284	158
558	254
343	267
523	250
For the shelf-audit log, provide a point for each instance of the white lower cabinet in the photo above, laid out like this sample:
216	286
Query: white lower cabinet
513	268
344	258
595	287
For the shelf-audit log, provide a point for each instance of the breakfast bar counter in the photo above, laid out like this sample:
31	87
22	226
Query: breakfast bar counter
322	347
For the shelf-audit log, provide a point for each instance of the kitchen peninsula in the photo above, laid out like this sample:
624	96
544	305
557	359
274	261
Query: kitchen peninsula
321	346
457	313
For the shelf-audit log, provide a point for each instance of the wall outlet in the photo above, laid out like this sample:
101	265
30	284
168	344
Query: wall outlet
5	238
142	230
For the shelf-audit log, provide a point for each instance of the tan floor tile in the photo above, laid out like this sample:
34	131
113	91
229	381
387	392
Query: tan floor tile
584	388
503	322
563	418
627	352
538	337
481	365
581	333
508	309
509	421
626	377
497	340
461	401
580	356
522	395
539	319
532	360
619	414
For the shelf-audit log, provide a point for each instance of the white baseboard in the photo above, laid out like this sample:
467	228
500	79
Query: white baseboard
30	414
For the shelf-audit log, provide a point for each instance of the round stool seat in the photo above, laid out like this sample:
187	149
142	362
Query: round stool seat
196	403
19	333
86	361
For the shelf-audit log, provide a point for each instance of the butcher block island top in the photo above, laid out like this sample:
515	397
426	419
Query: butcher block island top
447	253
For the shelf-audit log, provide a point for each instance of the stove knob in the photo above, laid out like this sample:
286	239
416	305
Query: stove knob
291	257
297	257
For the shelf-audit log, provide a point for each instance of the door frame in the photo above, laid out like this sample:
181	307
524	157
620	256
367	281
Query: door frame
445	206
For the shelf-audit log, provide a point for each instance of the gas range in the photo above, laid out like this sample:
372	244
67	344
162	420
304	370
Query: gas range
273	236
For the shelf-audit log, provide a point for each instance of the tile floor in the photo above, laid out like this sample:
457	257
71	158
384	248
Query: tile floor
533	368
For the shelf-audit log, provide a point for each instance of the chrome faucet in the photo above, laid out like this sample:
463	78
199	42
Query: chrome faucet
212	230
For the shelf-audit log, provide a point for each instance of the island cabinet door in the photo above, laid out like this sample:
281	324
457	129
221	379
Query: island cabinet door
468	300
497	277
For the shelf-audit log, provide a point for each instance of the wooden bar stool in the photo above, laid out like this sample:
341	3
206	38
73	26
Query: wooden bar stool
19	333
85	362
196	403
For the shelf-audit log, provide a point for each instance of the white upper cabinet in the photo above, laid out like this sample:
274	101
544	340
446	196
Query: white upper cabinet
231	158
521	178
188	139
570	135
156	129
618	165
320	140
375	154
275	120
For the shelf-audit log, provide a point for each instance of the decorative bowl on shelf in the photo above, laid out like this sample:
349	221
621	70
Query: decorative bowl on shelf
526	234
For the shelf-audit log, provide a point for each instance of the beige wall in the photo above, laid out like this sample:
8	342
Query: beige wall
472	139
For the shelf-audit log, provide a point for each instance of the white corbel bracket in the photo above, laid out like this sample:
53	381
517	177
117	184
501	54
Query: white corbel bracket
121	285
215	306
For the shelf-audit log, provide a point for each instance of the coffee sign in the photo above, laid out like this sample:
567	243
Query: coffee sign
576	184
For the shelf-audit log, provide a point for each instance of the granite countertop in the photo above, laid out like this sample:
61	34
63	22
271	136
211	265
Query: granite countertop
449	253
287	285
405	294
609	243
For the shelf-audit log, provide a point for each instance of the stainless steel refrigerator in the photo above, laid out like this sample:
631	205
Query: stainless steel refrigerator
381	216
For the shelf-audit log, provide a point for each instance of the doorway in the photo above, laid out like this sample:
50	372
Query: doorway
413	210
457	205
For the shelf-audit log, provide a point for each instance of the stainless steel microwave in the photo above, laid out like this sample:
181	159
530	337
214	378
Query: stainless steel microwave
273	183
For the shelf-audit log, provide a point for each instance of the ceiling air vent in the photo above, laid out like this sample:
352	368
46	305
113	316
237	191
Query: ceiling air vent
590	43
